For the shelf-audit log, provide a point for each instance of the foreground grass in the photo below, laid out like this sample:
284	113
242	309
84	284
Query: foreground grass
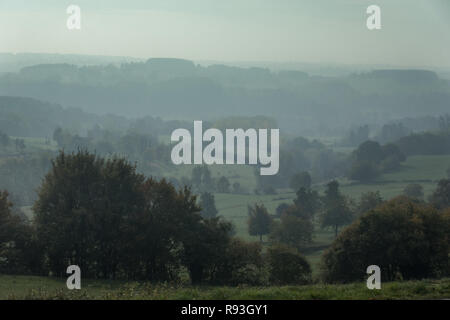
27	287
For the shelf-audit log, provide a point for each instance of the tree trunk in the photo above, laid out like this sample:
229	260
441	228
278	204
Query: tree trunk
196	273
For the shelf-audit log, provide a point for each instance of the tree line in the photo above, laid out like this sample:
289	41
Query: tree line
115	223
406	236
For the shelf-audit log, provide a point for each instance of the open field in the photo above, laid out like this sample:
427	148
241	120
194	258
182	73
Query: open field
27	287
424	170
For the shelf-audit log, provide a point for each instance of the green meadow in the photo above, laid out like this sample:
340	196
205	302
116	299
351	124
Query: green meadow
37	288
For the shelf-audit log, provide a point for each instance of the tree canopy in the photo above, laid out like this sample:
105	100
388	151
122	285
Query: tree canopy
404	238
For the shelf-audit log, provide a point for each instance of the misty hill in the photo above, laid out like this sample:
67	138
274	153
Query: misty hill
180	89
27	117
10	62
398	81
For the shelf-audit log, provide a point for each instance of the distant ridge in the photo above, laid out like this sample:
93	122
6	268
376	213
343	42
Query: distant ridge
13	62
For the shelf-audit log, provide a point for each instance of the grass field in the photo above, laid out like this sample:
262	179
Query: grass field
425	170
27	287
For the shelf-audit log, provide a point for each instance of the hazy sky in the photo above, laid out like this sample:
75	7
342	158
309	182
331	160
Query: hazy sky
415	32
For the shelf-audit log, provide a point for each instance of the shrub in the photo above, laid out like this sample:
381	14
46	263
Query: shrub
402	237
287	266
241	263
292	230
281	208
